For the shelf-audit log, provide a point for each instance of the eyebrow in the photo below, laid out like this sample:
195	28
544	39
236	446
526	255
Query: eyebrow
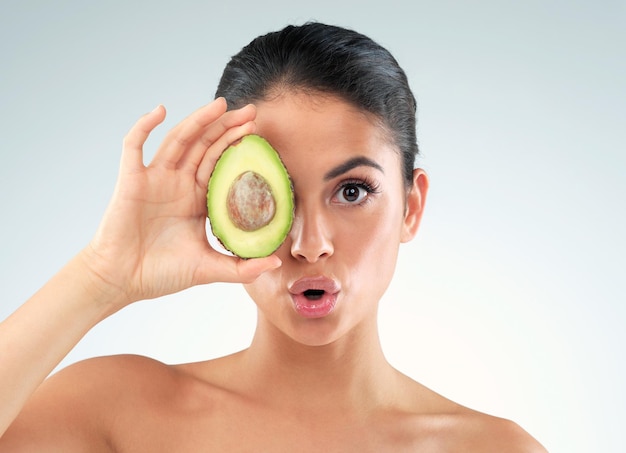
349	165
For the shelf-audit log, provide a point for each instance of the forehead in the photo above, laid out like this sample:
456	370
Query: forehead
317	129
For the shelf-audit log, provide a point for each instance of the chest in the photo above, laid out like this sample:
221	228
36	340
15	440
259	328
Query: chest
245	428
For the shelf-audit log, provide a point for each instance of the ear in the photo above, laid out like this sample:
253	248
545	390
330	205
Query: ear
415	201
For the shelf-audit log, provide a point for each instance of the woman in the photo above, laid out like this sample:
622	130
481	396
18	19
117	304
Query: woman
339	110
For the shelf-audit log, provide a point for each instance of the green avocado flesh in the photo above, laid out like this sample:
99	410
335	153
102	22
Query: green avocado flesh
250	199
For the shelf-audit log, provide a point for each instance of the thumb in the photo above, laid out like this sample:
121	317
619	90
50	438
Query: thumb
232	269
249	269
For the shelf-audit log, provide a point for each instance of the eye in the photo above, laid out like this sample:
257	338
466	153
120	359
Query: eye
354	192
351	193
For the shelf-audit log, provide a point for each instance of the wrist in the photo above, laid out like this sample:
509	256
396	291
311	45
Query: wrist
90	270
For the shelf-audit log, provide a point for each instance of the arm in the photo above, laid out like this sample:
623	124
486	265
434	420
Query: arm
151	242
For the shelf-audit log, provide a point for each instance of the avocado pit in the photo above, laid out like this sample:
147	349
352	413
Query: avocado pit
250	202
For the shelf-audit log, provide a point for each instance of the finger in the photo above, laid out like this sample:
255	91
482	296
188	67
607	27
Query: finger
192	158
181	137
132	151
212	154
249	270
231	269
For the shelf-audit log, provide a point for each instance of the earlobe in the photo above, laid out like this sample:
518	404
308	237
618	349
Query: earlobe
415	201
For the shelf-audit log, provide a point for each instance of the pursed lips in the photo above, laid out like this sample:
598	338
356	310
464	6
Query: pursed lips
314	297
314	286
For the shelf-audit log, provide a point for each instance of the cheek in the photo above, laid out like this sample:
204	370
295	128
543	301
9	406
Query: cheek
372	242
371	261
264	288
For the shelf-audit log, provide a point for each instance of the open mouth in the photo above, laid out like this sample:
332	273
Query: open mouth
314	294
314	297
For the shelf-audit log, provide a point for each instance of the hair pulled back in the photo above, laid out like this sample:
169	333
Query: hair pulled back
328	59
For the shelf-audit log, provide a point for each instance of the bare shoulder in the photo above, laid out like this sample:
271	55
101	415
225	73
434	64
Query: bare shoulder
76	408
468	431
439	424
100	381
485	433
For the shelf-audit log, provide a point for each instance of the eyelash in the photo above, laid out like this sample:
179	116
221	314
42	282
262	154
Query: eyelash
366	184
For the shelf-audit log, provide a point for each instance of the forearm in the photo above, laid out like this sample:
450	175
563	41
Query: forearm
151	242
37	336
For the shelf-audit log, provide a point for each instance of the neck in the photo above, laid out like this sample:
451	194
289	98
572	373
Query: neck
348	373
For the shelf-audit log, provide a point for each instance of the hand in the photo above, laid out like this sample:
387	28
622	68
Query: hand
152	240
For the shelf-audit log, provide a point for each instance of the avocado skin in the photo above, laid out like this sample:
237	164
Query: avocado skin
252	153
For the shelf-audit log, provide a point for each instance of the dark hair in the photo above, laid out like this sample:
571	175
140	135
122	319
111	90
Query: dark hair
333	60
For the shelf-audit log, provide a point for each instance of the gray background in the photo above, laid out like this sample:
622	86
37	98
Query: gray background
511	299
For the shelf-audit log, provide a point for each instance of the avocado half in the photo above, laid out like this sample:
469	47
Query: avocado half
250	199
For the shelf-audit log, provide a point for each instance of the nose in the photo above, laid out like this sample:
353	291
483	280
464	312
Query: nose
310	235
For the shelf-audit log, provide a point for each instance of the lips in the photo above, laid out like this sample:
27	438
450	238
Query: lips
314	297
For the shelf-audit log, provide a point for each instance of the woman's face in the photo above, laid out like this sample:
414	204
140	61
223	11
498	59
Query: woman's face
351	214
